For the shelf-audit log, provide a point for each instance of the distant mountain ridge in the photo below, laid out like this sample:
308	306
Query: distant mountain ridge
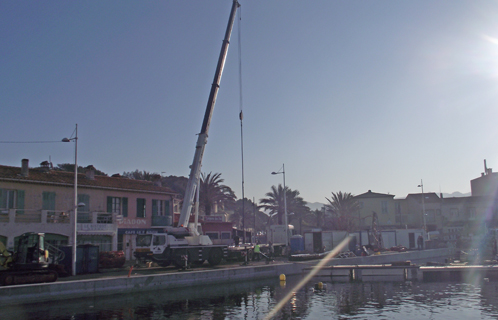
456	194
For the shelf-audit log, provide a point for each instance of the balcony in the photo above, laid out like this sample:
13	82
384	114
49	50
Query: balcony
50	216
33	216
97	223
96	217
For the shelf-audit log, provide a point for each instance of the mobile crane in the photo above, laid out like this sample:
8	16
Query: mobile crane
183	245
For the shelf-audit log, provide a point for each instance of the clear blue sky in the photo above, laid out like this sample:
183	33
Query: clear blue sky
350	95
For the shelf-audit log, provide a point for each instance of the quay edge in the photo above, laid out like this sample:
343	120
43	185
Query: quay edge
22	294
73	289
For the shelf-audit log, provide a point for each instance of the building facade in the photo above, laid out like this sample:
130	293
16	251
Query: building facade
380	203
111	210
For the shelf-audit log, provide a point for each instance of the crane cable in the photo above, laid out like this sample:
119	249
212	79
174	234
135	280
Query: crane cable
241	117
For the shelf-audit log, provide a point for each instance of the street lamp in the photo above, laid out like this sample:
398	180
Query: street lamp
285	206
421	185
75	230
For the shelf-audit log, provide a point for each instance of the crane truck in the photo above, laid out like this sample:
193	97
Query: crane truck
28	264
183	245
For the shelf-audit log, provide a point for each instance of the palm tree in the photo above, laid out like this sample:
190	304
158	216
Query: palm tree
251	209
213	193
343	206
274	203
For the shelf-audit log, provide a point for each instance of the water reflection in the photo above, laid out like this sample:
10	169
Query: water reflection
253	300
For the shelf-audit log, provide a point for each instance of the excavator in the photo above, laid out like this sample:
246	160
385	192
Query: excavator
28	264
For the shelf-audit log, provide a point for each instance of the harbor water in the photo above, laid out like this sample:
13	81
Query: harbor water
254	300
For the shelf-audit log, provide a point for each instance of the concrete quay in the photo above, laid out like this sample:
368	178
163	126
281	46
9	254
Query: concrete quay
72	289
109	283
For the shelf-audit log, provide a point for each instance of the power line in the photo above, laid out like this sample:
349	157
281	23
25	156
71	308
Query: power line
30	141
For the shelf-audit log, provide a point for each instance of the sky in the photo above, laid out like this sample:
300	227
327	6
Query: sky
350	96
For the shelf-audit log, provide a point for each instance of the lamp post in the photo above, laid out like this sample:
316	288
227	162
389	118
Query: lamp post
285	206
75	221
421	185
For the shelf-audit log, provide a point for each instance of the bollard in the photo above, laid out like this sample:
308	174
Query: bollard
129	272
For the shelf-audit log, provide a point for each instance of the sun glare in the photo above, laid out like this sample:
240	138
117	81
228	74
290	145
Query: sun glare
487	56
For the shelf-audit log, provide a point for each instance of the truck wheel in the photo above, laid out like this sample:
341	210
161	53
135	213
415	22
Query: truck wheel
215	256
178	263
165	263
8	280
197	263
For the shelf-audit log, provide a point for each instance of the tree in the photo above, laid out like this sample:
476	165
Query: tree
319	214
141	175
177	184
343	206
251	209
213	193
69	167
274	204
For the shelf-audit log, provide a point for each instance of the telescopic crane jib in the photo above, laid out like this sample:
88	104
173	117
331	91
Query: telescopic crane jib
195	168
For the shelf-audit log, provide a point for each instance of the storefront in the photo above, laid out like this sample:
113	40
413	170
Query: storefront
127	239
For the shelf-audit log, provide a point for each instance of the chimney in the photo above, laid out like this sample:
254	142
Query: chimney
156	179
90	172
45	166
24	167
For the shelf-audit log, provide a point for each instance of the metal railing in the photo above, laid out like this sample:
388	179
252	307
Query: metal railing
53	216
55	255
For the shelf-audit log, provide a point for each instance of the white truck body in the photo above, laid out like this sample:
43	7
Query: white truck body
165	249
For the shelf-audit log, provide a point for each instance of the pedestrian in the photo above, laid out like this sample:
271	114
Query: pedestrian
236	239
257	250
271	250
420	242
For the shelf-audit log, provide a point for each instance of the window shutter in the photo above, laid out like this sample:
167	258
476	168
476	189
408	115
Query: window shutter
20	201
125	207
3	199
109	204
167	209
154	207
85	198
48	200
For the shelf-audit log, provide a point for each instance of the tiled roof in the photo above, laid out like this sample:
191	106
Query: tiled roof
371	194
45	176
428	197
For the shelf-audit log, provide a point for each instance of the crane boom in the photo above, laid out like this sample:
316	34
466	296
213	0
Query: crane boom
195	168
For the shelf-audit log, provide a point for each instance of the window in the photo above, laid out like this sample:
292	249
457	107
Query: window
140	208
117	205
144	240
225	235
397	206
430	217
84	198
160	208
384	206
213	235
471	213
159	240
454	212
11	199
